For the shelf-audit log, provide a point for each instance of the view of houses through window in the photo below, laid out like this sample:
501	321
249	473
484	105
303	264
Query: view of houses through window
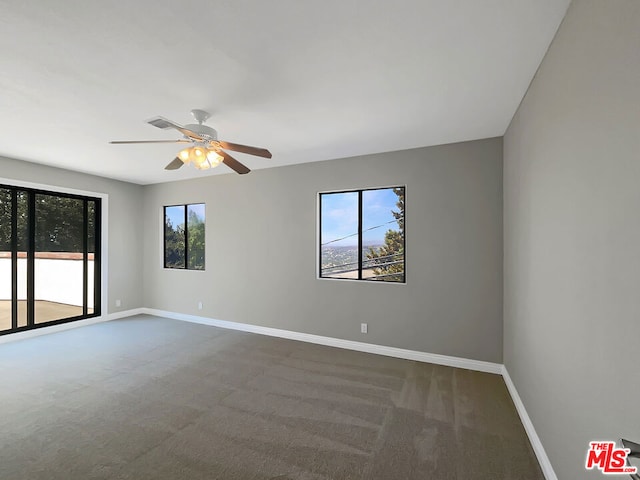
362	234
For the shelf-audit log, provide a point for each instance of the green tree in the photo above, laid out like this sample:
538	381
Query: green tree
5	220
58	222
393	248
173	244
195	233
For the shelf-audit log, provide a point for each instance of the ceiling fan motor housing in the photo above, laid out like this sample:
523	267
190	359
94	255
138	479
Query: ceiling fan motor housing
204	131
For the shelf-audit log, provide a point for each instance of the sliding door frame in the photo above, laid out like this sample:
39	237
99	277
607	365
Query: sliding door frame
100	248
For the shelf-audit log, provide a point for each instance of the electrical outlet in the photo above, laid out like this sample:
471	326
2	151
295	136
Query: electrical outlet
199	305
118	303
364	328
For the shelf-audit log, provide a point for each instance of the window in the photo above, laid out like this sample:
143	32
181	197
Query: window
49	258
184	236
362	234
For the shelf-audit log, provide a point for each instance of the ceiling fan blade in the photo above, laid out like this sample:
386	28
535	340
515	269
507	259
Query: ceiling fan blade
164	123
121	142
232	163
175	164
236	147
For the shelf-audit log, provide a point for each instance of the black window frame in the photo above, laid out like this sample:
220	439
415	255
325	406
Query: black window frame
360	247
185	207
31	251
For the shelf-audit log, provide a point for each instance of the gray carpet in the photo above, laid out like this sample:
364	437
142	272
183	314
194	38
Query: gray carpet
148	398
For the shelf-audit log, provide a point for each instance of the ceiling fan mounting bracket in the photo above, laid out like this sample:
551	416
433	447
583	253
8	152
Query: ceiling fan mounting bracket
200	115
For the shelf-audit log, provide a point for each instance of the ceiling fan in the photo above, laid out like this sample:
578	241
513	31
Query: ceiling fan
205	150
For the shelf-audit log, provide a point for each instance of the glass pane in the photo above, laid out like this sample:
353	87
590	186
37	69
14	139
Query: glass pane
91	250
58	277
5	259
195	233
23	227
174	237
383	234
339	235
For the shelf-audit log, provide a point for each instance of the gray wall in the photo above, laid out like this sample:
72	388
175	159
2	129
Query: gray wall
572	236
261	251
125	229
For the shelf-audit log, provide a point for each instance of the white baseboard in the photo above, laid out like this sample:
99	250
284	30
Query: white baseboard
337	342
543	459
36	332
126	313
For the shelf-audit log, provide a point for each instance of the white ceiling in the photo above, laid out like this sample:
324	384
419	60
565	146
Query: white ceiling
308	80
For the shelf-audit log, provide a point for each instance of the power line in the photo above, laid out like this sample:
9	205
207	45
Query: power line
354	234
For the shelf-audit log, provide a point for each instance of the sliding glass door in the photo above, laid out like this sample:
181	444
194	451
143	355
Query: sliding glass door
6	204
49	258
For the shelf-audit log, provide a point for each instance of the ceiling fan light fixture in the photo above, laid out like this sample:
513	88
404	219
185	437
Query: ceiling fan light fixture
205	158
204	164
214	157
185	155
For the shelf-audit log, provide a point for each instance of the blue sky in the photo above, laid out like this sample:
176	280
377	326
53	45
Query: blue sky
176	214
340	216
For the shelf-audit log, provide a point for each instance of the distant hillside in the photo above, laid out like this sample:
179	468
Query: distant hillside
343	257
